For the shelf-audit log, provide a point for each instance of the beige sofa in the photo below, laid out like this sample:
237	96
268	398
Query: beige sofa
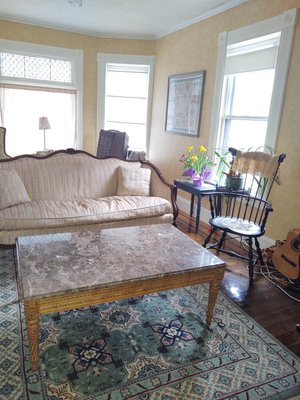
73	190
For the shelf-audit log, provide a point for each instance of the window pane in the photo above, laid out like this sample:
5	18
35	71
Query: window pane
39	68
136	133
244	135
61	71
129	84
12	65
23	135
125	110
252	92
126	100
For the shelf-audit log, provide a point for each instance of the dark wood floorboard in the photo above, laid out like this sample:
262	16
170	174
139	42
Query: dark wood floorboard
264	302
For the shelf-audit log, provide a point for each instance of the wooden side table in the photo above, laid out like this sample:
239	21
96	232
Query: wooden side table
197	191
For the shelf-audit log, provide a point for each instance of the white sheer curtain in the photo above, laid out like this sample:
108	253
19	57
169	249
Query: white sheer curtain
20	109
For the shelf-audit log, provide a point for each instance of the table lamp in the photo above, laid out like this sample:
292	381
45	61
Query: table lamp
43	125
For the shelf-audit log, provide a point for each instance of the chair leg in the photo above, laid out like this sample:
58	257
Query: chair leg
222	240
206	241
218	246
250	265
259	253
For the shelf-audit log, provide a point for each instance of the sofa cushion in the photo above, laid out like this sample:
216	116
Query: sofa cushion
12	189
133	181
52	213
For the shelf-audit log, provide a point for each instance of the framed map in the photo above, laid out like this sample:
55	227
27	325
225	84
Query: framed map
185	95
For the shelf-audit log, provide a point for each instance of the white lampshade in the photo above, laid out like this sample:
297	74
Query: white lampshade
44	123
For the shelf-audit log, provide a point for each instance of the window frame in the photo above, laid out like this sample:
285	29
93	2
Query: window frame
105	58
75	56
285	23
226	116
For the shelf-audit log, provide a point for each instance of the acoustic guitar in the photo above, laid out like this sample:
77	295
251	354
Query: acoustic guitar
286	257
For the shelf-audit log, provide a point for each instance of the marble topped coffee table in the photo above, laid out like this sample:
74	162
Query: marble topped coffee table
60	272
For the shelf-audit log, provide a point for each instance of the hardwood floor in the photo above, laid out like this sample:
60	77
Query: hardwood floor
264	302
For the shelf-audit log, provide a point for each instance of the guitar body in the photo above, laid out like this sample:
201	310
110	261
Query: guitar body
286	257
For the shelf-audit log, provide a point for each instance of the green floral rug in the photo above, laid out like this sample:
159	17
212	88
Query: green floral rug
150	347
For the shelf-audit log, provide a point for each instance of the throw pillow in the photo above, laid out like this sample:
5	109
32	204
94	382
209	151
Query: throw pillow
12	190
134	181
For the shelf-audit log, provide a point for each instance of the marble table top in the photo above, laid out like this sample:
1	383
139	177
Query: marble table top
56	263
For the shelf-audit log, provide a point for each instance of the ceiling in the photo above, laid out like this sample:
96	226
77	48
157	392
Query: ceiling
135	19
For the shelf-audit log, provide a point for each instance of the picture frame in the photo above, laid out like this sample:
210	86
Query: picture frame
184	103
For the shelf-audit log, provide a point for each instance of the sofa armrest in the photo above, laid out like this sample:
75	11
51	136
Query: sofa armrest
159	187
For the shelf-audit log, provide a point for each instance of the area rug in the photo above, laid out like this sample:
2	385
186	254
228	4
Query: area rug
155	346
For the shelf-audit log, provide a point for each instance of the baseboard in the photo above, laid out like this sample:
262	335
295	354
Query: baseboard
184	205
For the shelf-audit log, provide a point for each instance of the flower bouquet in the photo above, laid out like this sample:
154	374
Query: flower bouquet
196	164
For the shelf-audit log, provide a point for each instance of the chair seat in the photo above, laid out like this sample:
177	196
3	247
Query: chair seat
236	225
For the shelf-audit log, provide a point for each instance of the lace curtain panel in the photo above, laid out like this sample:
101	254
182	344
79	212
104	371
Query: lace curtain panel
3	154
20	110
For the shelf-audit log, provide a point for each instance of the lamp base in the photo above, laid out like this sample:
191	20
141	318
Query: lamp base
45	148
42	153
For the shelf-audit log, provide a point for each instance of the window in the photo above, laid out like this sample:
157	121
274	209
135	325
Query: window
38	81
247	92
251	73
124	96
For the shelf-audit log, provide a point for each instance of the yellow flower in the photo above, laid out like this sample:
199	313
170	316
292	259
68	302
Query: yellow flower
196	162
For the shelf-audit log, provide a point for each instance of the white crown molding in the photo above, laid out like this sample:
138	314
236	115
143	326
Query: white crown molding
217	10
87	32
122	35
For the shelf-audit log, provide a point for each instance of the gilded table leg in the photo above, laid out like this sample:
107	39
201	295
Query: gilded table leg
213	292
32	316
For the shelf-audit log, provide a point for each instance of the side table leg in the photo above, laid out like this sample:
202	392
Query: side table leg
213	292
198	212
192	205
32	316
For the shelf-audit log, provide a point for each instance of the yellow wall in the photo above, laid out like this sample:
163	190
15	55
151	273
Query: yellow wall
195	48
91	45
190	49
